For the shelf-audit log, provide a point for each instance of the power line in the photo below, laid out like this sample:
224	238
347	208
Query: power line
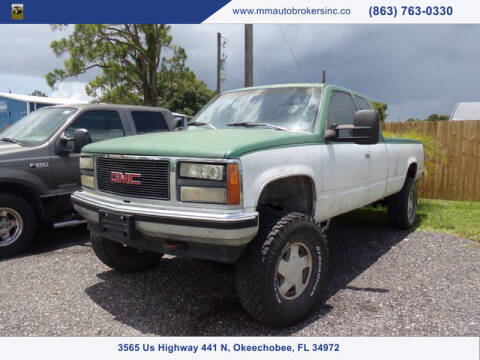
293	54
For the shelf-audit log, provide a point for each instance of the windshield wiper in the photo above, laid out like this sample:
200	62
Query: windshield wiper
12	140
199	123
249	123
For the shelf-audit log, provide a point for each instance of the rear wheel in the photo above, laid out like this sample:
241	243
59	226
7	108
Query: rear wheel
123	258
17	225
281	276
402	207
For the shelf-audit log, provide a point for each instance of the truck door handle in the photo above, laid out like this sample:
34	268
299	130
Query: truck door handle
367	155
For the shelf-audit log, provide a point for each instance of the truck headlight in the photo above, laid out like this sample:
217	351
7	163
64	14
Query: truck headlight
88	181
202	171
203	194
86	162
225	191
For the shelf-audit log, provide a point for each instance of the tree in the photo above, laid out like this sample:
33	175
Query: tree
432	117
128	57
436	117
178	88
381	108
38	93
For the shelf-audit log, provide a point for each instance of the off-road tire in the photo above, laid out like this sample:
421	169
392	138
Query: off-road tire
28	220
121	258
256	271
398	206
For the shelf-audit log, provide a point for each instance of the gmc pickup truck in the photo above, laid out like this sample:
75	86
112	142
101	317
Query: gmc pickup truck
39	162
252	181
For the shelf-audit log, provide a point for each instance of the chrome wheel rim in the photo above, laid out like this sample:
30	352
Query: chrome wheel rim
293	271
411	205
11	226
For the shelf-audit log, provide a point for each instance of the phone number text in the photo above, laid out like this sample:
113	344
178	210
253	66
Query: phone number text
395	11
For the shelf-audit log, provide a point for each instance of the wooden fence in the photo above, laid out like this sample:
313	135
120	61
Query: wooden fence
458	176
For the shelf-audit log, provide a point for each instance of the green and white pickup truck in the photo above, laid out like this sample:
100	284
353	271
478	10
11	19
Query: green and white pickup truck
252	181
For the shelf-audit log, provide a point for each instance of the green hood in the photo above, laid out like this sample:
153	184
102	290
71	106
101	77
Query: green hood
222	143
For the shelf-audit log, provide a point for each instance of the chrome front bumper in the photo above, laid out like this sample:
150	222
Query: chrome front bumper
212	227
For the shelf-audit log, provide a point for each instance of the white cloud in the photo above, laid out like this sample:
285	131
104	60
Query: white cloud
71	90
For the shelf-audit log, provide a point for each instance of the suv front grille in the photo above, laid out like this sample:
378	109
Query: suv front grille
148	179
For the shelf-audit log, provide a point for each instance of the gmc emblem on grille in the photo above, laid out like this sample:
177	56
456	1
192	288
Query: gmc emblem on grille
125	178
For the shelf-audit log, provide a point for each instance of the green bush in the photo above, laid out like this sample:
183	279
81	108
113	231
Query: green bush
433	154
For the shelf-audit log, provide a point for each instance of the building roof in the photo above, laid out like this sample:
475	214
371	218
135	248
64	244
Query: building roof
466	111
40	99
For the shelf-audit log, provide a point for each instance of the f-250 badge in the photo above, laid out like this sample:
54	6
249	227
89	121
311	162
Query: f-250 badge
38	165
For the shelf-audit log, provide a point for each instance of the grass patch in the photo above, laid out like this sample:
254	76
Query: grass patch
454	217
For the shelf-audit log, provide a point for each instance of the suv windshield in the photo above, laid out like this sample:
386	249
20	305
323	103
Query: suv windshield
292	108
38	126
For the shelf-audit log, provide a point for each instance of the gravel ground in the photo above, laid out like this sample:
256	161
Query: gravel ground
383	282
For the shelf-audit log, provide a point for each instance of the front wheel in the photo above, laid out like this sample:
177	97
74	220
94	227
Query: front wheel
17	225
402	207
281	276
122	258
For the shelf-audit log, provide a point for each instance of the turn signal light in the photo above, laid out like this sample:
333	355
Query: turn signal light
233	186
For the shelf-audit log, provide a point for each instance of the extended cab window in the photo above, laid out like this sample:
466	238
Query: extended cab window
149	121
363	104
101	125
341	111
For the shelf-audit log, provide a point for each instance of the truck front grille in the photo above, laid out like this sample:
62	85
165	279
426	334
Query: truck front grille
148	179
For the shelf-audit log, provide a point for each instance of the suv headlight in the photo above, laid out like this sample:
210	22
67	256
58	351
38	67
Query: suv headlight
86	171
202	171
86	162
88	181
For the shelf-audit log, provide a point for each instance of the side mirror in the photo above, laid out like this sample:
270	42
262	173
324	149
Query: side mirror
61	146
180	124
81	137
366	127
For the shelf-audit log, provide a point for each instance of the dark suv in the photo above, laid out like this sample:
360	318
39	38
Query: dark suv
39	162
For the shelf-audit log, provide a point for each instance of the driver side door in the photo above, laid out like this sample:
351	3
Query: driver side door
102	125
346	165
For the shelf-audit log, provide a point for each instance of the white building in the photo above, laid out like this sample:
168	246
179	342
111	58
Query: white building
15	106
466	111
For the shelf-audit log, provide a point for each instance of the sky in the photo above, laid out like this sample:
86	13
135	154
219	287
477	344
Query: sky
416	69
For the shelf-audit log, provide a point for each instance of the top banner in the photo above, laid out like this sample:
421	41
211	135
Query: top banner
242	11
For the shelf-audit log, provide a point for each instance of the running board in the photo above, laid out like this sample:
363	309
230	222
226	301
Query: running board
69	223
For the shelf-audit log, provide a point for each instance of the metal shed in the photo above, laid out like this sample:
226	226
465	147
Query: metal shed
14	106
466	111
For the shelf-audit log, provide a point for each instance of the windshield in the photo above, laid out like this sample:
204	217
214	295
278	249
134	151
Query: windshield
38	126
293	108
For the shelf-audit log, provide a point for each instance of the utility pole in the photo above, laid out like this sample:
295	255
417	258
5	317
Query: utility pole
219	62
248	55
324	77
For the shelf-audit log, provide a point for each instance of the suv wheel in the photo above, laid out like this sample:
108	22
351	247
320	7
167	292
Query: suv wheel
281	276
122	258
17	225
402	207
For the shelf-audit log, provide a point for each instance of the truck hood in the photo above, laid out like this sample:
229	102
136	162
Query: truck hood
13	152
8	147
220	143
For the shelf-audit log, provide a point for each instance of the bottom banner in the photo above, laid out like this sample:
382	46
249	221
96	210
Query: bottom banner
370	348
